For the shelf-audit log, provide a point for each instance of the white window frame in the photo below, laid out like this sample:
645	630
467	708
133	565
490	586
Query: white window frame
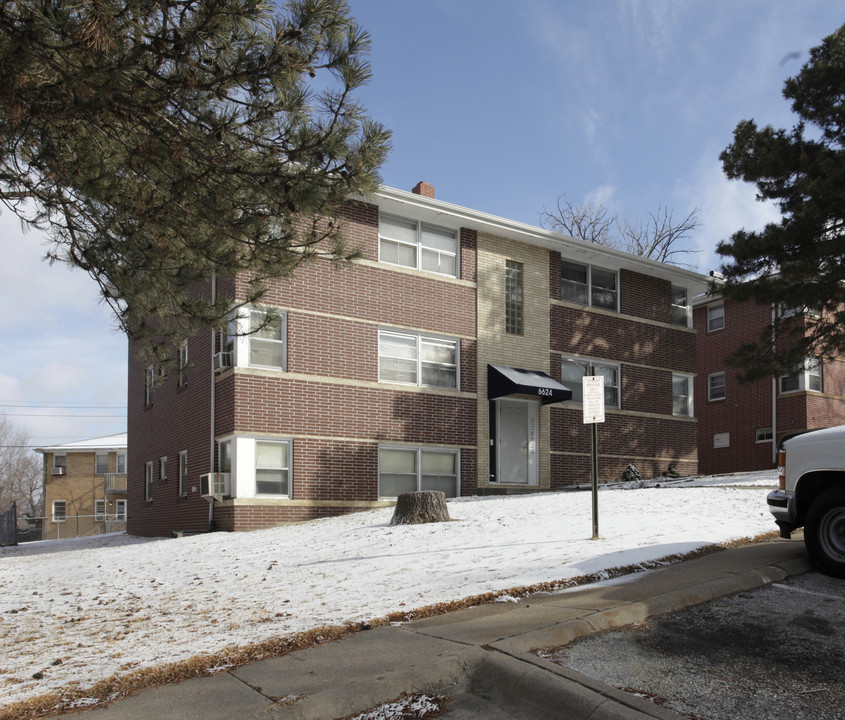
224	459
420	245
715	317
763	435
182	487
183	363
588	285
120	462
63	463
120	506
418	451
162	468
97	457
149	384
148	480
289	468
679	310
712	384
585	363
421	339
804	378
254	318
99	510
690	407
59	517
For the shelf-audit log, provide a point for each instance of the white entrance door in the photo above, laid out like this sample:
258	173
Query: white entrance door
516	442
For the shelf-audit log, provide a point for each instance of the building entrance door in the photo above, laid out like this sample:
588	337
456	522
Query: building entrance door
516	441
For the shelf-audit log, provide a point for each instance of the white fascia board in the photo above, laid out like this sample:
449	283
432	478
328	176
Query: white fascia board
107	443
418	207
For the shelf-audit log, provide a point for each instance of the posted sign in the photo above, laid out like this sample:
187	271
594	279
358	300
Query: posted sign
593	386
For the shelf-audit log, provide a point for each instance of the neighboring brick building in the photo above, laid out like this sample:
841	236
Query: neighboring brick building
84	487
741	425
397	374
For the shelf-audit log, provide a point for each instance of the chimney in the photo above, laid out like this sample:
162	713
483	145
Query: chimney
424	189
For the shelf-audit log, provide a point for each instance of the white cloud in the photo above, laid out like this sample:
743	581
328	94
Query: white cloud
602	195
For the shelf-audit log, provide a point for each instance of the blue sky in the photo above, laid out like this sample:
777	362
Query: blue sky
502	106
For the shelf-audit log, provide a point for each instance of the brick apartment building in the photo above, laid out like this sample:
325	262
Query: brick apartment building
742	425
84	487
449	357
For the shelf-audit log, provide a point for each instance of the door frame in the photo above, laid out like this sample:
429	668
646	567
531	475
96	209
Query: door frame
532	439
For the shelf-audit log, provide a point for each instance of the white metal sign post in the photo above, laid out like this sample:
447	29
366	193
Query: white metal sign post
593	386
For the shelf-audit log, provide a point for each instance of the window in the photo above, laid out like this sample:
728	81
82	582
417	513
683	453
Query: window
574	370
149	384
183	363
120	510
404	470
808	377
721	440
60	464
588	285
120	463
99	510
59	510
183	473
272	468
513	297
715	318
763	435
716	386
101	463
162	468
148	480
682	395
417	359
224	456
680	307
418	245
267	340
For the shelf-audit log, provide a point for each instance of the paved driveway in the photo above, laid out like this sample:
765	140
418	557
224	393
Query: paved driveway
777	652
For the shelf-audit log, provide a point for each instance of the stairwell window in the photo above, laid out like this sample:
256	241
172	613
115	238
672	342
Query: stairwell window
418	245
514	272
418	359
589	285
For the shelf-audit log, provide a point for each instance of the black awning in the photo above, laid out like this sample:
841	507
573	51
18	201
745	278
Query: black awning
503	381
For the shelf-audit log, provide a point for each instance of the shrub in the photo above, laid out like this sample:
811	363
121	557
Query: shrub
631	474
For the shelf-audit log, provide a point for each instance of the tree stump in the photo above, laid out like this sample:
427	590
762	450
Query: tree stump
425	506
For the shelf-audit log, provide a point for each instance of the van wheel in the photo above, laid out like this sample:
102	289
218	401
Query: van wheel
824	532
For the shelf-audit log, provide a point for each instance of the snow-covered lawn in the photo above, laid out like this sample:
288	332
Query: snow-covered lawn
75	612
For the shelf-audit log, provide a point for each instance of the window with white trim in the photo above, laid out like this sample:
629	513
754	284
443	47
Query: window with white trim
418	245
763	435
574	370
148	480
680	306
224	456
59	510
149	383
715	318
806	377
99	510
682	395
716	386
120	463
120	509
267	346
410	469
272	468
183	363
183	473
417	359
101	463
589	285
60	461
162	468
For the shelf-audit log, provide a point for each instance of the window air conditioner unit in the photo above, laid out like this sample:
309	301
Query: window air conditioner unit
58	471
216	485
222	361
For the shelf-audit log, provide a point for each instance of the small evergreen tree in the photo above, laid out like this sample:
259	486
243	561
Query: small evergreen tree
631	475
162	142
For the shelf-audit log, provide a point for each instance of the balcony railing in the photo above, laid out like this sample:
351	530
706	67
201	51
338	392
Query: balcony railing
110	526
115	482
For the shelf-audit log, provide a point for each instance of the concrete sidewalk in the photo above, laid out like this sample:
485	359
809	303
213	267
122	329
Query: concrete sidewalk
482	658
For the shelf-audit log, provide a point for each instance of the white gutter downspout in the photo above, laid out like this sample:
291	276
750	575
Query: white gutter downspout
774	395
212	402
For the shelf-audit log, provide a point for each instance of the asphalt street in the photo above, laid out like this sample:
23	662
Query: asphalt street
773	653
